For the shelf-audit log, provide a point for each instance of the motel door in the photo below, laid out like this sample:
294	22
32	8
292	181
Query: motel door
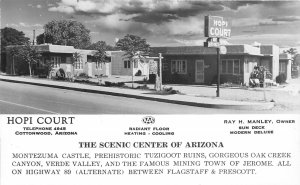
69	64
90	67
199	73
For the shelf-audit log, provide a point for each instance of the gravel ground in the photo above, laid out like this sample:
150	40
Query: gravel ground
286	97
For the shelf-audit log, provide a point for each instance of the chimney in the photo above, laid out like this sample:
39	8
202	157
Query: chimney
33	38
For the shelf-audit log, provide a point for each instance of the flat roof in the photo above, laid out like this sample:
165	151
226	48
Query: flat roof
201	50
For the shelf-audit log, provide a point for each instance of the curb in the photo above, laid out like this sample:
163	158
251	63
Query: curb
254	106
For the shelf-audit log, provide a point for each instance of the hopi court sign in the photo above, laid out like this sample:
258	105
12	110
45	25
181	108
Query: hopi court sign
216	28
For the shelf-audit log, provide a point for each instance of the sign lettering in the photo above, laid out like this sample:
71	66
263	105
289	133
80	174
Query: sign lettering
217	27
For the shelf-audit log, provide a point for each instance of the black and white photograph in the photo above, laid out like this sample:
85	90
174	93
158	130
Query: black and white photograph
152	92
149	57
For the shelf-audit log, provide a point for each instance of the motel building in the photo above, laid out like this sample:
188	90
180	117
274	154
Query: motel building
182	65
198	64
62	58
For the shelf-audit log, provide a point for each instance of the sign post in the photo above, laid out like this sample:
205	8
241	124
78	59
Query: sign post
215	28
218	72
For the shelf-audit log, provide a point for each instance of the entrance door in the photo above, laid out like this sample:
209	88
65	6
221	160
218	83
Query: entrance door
90	68
199	73
69	64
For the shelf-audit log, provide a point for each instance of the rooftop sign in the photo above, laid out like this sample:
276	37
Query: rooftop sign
217	27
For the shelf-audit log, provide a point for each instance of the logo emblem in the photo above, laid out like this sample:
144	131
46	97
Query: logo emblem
148	120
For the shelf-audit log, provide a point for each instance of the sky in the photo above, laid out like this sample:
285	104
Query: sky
161	22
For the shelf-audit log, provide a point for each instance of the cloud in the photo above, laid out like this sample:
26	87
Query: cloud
268	23
62	9
235	5
189	42
286	18
278	39
154	18
35	6
249	31
146	11
24	25
166	20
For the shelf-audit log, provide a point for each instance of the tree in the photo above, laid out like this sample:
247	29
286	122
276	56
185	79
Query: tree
30	55
76	57
68	32
14	51
135	49
293	52
132	44
42	39
101	44
100	55
11	36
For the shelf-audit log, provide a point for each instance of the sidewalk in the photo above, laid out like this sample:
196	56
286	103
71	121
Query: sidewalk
189	97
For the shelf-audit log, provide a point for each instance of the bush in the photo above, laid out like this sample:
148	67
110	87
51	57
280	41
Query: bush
60	74
138	73
152	78
120	84
281	78
170	90
83	75
42	73
145	87
108	84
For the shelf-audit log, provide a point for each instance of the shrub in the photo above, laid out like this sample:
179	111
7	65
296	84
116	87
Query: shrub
120	84
170	90
281	78
145	87
83	75
138	73
42	73
152	78
60	74
108	84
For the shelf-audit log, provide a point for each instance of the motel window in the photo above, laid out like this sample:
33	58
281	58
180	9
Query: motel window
165	66
78	64
282	67
126	64
55	61
178	66
135	64
236	69
247	66
230	66
224	66
99	65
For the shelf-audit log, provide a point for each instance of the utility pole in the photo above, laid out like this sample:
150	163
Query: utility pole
33	38
218	72
160	71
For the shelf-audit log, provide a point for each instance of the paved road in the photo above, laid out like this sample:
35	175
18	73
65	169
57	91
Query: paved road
29	99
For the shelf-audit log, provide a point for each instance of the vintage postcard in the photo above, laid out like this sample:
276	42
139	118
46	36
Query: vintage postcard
149	92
